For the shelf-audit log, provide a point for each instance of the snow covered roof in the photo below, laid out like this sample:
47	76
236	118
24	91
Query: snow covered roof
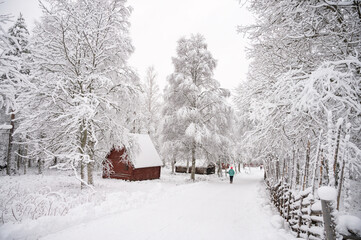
147	155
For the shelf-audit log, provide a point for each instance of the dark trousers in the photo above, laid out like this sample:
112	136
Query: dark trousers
231	179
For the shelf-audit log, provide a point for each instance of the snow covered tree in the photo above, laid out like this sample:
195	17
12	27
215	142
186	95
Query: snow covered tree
75	108
303	83
145	118
12	79
152	105
152	100
195	110
5	67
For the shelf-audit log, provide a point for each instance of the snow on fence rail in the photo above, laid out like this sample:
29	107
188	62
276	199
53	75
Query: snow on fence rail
308	217
302	211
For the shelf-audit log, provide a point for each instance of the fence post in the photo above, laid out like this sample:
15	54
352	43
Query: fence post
289	205
299	218
328	196
327	219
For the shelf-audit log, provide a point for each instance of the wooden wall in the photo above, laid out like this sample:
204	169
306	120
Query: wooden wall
123	169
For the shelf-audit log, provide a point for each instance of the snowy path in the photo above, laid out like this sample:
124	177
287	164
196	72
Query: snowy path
203	210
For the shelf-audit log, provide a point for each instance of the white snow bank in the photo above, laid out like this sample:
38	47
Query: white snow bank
5	127
197	209
153	210
349	224
327	193
277	221
316	206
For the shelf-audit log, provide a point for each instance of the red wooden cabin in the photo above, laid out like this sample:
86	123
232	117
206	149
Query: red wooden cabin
145	165
225	165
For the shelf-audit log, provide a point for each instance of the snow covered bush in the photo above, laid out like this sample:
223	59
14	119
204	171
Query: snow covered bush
18	204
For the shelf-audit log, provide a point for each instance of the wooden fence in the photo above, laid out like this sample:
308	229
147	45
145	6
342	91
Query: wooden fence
308	217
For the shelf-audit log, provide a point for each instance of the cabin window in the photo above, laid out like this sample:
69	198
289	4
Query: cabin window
126	167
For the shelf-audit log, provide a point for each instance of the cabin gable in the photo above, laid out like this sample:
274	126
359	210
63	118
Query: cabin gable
145	166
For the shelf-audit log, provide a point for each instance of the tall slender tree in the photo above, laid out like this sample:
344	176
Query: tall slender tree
152	100
195	111
152	105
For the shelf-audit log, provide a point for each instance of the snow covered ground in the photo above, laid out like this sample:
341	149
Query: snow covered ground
169	208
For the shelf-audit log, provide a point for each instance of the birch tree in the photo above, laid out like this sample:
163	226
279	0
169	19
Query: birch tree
303	80
152	106
152	100
81	87
195	111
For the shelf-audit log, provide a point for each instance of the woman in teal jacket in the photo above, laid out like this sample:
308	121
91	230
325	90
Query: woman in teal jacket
231	174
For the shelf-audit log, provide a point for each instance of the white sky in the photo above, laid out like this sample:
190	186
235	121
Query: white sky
158	24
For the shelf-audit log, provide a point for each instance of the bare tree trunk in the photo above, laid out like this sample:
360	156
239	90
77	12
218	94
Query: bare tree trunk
284	171
321	168
264	174
277	169
330	137
173	163
315	166
307	164
193	162
83	141
315	169
335	163
340	185
25	165
40	165
90	165
134	122
90	168
10	145
82	174
187	166
18	159
292	168
344	162
219	170
26	159
298	170
327	176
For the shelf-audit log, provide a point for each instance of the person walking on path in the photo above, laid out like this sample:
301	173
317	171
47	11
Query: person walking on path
231	174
